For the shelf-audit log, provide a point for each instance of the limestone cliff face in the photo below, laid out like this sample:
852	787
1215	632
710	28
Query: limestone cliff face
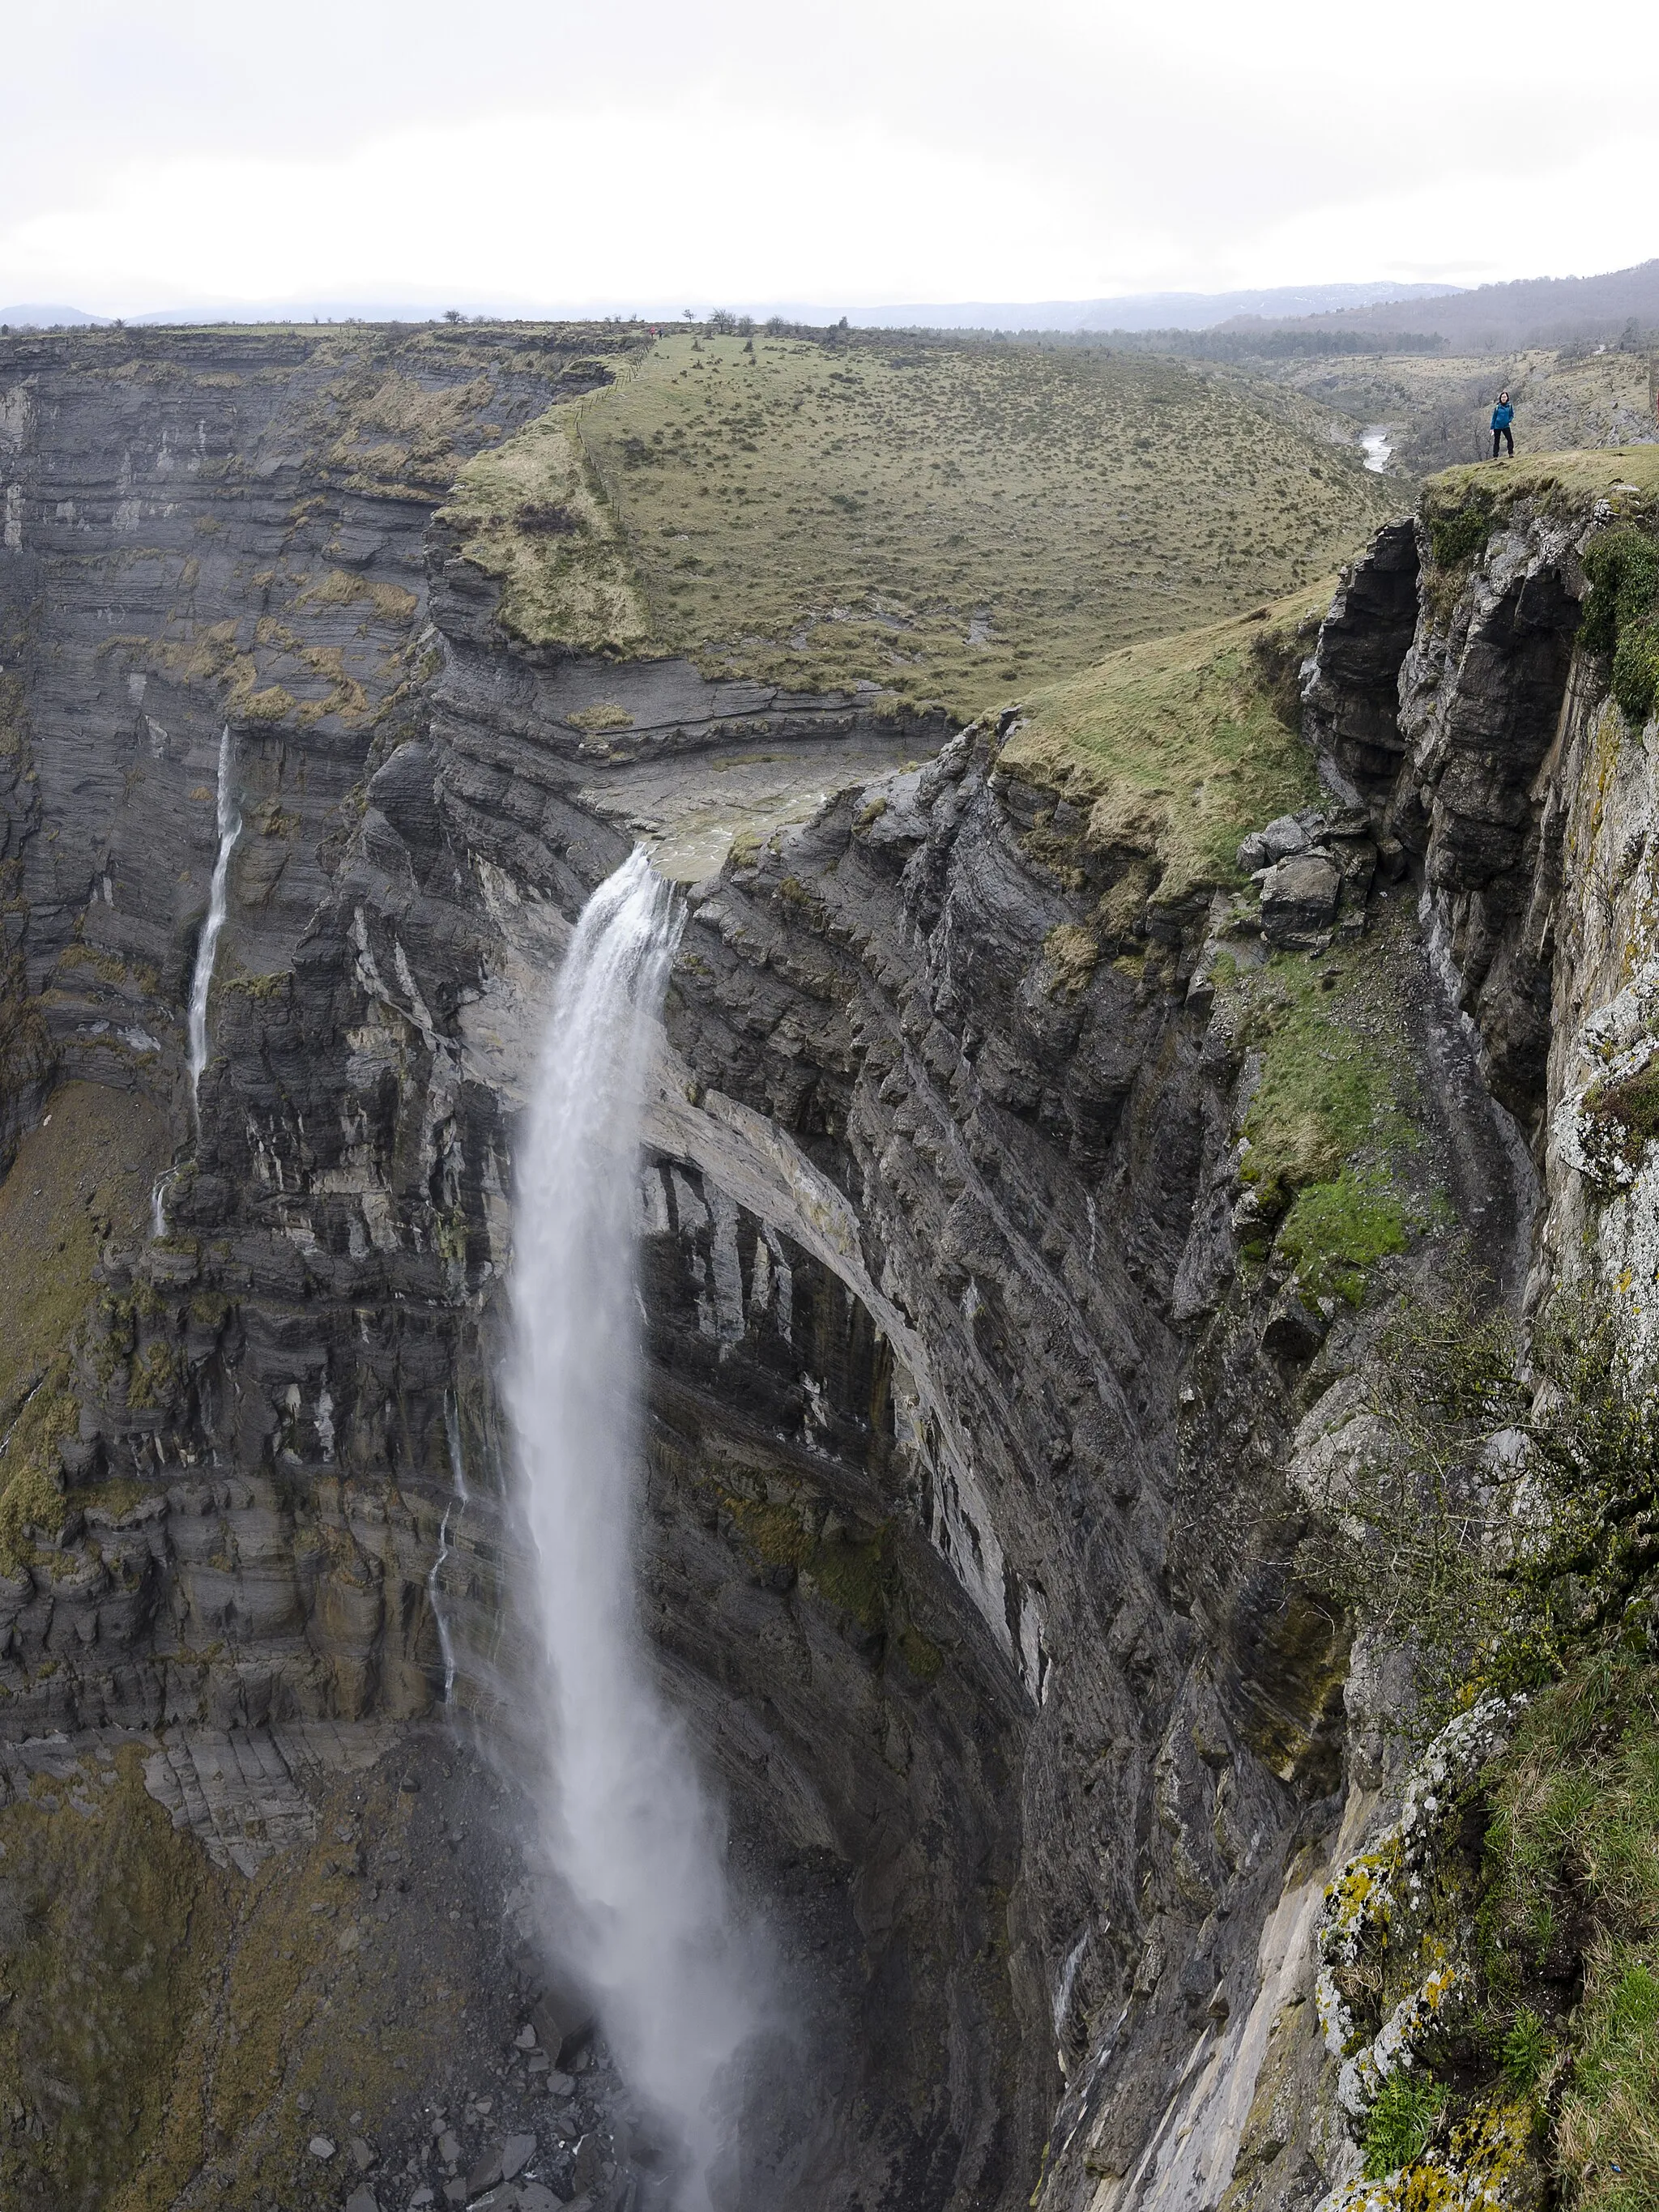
976	1409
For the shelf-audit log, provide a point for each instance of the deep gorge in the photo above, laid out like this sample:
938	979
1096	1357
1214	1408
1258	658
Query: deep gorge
984	1413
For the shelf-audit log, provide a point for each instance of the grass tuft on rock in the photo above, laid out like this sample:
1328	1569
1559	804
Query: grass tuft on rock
1629	1109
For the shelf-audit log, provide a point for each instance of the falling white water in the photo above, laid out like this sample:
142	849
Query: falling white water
230	829
628	1832
456	1504
452	1431
1376	443
435	1599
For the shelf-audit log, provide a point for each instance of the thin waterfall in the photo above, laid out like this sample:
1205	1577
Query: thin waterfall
452	1432
230	829
632	1842
452	1510
435	1599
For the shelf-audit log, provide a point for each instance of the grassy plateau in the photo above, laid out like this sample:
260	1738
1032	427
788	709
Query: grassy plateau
936	522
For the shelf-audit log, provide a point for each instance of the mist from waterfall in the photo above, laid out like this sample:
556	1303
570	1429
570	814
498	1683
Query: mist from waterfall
634	1845
207	946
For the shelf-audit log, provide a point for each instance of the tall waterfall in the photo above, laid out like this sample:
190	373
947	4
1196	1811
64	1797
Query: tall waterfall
207	948
629	1835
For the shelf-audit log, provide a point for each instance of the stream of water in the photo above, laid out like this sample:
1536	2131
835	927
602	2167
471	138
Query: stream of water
633	1844
456	1505
207	946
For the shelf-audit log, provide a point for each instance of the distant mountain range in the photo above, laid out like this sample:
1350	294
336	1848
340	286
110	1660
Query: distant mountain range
1536	311
1137	311
35	316
1491	318
1143	311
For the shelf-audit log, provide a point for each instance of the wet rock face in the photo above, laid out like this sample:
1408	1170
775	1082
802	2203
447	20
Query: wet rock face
1022	1161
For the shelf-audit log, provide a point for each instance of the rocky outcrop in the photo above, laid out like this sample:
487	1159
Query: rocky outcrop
1351	697
1481	683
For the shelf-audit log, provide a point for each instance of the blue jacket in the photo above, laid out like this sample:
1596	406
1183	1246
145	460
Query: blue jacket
1502	416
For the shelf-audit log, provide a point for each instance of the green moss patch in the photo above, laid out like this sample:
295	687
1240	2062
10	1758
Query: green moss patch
161	2019
1623	566
1335	1231
107	1915
1331	1136
856	1572
31	1468
1458	530
83	1176
1326	1087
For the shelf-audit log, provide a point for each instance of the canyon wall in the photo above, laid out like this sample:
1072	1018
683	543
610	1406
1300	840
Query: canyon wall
982	1393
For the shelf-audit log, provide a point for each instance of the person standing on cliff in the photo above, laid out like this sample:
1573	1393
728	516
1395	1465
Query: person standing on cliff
1502	416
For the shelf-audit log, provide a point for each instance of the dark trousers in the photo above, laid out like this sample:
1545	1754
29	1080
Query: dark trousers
1508	436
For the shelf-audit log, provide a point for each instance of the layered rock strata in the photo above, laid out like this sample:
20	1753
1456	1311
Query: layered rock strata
977	1390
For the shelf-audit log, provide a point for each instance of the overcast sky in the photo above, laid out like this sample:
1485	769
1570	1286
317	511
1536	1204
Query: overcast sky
158	153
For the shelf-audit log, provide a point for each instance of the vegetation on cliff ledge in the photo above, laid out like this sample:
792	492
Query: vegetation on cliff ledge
83	1175
1178	746
1334	1170
1626	476
533	514
1623	566
1510	1529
